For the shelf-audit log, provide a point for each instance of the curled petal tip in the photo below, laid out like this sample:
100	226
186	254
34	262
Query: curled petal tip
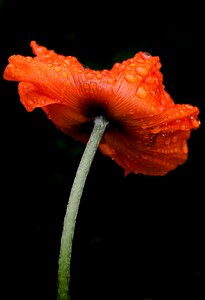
37	49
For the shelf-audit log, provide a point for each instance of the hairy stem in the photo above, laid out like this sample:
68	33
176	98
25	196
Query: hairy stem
64	262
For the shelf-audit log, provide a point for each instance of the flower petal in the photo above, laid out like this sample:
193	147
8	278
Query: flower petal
155	145
138	89
52	75
147	131
31	97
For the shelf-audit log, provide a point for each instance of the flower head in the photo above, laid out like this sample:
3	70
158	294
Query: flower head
147	131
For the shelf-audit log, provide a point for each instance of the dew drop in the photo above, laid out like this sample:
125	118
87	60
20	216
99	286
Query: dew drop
174	139
56	63
88	76
67	62
167	141
146	54
28	59
184	148
150	80
99	76
194	122
141	71
64	75
110	80
30	102
130	78
57	69
141	92
42	101
155	130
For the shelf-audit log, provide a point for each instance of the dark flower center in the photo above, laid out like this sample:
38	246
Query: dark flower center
93	109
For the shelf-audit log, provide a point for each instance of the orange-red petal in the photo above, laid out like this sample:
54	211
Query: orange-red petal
147	131
155	145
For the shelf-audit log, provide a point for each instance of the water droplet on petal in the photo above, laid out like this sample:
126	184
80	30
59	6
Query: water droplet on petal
195	123
30	102
67	62
151	80
64	75
88	75
167	141
141	71
155	130
141	92
57	69
28	59
111	80
56	63
98	75
177	115
184	148
146	54
42	101
174	139
130	78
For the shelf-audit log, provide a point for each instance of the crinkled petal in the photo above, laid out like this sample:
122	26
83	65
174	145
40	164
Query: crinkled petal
32	97
138	90
147	131
155	145
51	75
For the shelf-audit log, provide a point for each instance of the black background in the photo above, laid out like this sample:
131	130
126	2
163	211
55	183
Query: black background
137	237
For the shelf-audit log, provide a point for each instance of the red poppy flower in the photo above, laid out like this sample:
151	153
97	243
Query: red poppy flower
147	131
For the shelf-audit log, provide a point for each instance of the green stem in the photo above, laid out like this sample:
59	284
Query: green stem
73	206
